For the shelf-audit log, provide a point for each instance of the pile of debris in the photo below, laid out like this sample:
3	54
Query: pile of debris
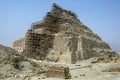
9	55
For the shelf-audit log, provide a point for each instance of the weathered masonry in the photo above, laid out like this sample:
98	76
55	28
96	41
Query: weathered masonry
58	72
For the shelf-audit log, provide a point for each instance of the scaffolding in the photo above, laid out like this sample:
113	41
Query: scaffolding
37	45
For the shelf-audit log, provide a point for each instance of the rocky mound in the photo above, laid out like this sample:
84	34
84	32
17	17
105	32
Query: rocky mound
14	66
8	59
8	55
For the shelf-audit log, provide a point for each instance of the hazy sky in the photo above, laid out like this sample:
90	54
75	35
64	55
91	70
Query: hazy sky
101	16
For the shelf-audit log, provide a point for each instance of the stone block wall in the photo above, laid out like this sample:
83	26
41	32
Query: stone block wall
58	72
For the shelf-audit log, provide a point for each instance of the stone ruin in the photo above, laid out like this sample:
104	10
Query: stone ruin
61	37
58	72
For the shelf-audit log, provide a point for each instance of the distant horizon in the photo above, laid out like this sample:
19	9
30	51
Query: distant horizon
101	16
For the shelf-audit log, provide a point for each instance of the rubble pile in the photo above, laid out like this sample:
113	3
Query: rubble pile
9	55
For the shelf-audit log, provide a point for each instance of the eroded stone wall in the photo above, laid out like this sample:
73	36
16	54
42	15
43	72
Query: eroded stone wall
19	45
58	72
88	47
73	48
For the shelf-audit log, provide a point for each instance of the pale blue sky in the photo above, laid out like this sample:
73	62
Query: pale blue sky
102	16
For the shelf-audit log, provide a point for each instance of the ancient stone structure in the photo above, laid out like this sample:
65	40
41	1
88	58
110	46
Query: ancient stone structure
61	37
19	45
58	72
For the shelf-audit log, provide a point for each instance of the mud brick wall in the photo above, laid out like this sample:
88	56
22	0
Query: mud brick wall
37	45
58	72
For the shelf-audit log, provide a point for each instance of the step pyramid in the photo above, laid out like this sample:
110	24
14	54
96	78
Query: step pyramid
61	37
